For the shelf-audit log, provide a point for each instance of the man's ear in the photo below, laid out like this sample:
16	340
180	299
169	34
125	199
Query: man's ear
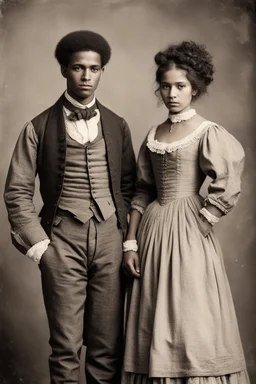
63	70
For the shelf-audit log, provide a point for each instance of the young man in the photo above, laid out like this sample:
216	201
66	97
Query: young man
84	157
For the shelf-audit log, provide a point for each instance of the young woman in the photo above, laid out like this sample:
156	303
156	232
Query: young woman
181	325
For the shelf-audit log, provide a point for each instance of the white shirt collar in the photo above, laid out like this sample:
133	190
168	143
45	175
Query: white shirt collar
77	104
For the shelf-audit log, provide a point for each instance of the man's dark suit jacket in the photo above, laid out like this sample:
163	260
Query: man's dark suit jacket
41	148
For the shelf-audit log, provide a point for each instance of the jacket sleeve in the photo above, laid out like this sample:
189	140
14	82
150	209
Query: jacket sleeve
26	229
128	167
145	186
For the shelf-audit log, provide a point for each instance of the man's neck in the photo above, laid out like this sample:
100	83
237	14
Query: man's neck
77	103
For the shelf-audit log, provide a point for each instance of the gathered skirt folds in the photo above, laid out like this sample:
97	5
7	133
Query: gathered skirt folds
181	325
233	378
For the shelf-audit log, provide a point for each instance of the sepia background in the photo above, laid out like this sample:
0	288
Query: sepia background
30	81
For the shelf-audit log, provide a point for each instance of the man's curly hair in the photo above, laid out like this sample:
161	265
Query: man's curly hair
82	41
191	57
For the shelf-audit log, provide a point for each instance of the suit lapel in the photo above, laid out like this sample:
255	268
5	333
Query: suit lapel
111	131
54	143
56	118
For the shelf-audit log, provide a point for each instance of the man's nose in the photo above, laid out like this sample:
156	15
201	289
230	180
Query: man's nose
86	75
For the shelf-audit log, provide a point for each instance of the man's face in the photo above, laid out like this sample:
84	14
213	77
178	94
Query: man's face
83	74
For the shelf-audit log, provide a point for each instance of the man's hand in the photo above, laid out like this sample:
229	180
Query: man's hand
131	264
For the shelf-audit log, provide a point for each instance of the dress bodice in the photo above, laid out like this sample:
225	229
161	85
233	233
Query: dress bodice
176	166
168	171
177	174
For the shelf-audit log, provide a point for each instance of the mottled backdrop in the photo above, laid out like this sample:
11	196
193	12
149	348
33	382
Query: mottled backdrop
30	81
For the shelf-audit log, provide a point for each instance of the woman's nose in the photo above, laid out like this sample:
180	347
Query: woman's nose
172	93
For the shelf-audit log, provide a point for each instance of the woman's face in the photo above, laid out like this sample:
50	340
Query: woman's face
176	90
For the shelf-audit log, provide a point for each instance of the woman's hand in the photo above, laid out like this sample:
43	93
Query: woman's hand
131	264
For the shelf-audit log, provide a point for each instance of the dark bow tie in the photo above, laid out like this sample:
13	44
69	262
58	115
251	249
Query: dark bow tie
79	113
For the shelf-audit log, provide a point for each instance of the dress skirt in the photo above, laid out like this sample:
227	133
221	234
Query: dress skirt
181	326
233	378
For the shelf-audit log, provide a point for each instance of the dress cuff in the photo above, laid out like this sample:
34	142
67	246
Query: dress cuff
130	245
209	216
216	204
37	250
138	208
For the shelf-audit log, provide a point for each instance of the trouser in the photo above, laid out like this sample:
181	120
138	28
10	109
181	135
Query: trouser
83	295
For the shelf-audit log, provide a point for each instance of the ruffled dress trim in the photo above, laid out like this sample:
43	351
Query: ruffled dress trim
216	204
160	147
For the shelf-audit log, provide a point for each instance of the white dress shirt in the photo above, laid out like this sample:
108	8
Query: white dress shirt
81	130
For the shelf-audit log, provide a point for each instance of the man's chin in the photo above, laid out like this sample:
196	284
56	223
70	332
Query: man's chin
84	94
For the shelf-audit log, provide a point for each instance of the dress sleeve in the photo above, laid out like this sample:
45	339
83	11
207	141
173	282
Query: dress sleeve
145	184
222	159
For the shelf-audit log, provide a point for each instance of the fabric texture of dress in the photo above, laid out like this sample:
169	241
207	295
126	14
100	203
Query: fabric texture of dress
181	324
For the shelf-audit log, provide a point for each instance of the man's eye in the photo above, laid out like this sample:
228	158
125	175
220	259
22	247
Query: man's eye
76	69
95	69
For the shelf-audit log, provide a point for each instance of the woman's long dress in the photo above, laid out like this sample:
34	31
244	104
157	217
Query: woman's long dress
181	325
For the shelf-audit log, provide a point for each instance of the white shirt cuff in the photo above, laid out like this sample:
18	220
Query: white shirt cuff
36	252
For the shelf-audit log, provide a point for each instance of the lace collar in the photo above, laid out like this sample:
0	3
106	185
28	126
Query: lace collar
182	116
160	147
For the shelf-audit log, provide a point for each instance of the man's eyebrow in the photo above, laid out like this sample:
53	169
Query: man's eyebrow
86	66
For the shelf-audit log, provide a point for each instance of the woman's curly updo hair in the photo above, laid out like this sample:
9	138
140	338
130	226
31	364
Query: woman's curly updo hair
191	57
82	41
